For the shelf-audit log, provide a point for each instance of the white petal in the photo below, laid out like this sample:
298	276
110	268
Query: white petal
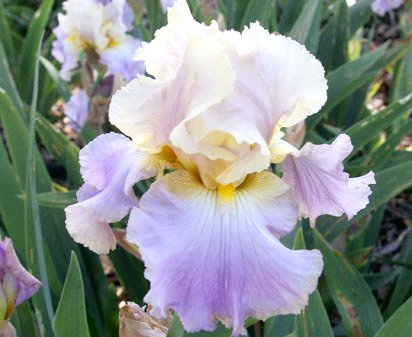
277	84
86	227
149	109
277	78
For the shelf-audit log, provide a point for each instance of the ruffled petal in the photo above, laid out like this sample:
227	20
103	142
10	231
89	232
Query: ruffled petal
18	283
164	55
110	166
120	9
224	147
119	59
84	23
277	79
321	186
277	84
149	109
65	53
215	254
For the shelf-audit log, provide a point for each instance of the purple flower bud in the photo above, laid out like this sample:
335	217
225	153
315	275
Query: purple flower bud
16	283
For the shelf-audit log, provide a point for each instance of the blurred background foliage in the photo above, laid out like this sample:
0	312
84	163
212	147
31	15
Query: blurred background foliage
366	286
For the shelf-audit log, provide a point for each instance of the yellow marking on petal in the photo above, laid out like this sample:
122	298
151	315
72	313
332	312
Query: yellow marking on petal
113	43
71	38
226	193
167	154
78	42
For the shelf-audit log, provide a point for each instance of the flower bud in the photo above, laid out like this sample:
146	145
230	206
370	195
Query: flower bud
16	285
135	322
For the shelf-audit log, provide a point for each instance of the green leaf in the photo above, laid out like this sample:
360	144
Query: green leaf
350	292
62	86
258	11
404	281
392	55
28	53
359	14
87	133
176	327
402	83
400	157
333	42
306	29
23	320
62	149
71	317
17	140
372	232
313	321
359	257
33	230
154	14
10	204
400	324
290	14
378	280
279	326
369	128
227	8
389	183
381	155
239	10
102	302
353	108
57	199
8	85
16	135
130	272
369	231
5	36
345	80
220	331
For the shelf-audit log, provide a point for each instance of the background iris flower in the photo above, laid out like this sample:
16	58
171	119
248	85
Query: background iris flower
100	29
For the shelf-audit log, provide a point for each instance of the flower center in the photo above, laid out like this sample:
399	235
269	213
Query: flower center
226	193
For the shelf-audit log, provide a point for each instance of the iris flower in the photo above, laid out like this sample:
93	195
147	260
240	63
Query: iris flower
98	26
77	109
16	285
208	123
381	7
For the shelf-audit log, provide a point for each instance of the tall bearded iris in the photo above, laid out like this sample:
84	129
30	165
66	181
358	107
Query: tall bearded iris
212	113
98	27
